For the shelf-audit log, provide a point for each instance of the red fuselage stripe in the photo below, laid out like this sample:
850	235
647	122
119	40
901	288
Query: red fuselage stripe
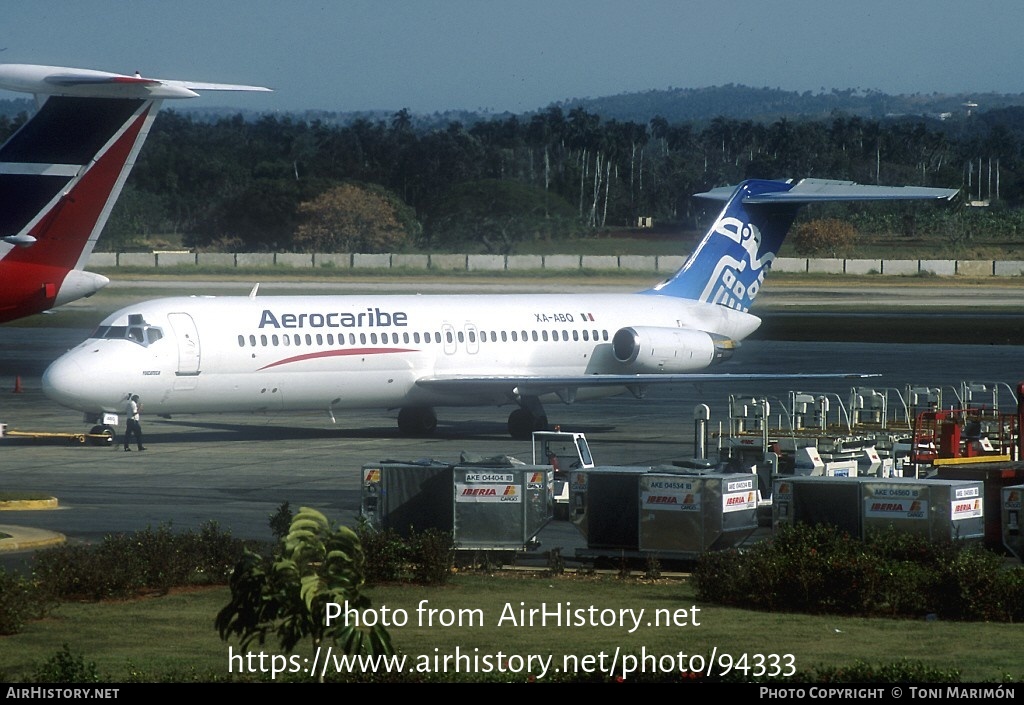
347	352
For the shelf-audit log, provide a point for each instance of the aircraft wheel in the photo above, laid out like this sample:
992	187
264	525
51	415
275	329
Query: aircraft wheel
417	421
106	431
521	423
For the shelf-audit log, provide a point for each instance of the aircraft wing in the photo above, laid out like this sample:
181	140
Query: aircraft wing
565	386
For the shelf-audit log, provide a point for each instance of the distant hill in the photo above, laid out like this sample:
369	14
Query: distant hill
679	105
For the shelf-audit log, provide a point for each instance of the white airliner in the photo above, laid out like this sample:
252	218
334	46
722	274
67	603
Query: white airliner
415	353
62	171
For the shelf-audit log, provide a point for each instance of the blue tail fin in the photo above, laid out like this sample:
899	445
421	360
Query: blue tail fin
729	264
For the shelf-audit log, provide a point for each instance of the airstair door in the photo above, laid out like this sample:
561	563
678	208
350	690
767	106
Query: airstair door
187	337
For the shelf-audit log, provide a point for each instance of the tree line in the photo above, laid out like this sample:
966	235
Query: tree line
278	183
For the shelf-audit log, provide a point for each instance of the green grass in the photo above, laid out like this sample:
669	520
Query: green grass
146	639
12	496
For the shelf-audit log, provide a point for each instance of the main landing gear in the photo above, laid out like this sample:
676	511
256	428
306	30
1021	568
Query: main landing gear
422	421
523	422
417	421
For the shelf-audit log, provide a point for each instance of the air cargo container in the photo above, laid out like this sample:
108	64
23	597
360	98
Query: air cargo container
934	508
665	511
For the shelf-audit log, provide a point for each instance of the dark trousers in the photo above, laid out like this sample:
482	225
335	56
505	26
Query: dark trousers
133	428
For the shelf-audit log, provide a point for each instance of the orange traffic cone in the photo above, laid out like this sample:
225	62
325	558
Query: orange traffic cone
17	384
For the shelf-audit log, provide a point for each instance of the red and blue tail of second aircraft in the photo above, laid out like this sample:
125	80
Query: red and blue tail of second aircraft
61	173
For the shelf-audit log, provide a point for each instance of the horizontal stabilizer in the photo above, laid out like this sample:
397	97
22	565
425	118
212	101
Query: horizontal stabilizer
59	80
815	190
199	86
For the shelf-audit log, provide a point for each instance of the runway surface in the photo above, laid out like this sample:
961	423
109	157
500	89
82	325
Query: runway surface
237	469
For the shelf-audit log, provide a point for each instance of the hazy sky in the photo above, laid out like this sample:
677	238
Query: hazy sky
522	55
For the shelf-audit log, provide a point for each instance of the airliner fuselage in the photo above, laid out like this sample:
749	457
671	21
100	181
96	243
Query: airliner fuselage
199	354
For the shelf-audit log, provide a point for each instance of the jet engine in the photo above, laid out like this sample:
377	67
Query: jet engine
647	349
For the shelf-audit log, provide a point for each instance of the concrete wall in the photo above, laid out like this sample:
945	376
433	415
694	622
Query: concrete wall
524	263
334	260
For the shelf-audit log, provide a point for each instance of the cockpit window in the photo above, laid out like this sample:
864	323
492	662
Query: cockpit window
137	331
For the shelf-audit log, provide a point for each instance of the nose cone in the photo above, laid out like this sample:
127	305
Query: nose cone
68	382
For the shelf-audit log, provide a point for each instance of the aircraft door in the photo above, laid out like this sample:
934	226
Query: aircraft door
187	337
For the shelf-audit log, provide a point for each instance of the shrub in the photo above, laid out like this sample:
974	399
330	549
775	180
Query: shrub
828	237
21	601
387	555
818	569
432	554
898	672
65	667
968	587
425	557
123	565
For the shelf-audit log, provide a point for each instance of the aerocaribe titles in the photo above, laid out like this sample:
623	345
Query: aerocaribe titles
372	317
